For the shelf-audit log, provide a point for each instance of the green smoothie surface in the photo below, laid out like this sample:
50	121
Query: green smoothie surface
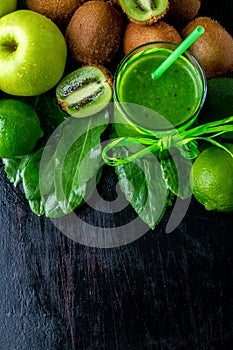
176	95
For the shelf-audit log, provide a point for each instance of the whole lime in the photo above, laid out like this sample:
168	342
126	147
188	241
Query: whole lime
19	128
212	178
32	53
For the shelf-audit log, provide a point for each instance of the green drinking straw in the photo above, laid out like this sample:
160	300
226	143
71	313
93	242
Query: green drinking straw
193	36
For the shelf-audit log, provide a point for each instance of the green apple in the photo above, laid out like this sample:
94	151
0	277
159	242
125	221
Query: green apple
7	6
32	53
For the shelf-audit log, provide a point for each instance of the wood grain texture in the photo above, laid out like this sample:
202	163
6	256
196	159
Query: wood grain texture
163	291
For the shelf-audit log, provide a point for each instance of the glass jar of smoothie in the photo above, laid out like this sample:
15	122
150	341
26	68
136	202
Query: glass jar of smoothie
157	106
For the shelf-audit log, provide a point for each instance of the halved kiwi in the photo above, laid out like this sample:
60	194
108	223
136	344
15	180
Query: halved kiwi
144	11
85	91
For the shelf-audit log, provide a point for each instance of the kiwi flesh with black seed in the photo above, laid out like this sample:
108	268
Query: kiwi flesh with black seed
182	11
59	11
144	11
85	91
214	49
94	33
136	34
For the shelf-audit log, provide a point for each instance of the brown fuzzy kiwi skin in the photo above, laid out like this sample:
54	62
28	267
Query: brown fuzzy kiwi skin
214	49
63	105
58	11
136	34
150	21
182	11
108	75
94	33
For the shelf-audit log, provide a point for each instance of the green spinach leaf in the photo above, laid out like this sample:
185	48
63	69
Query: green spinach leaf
176	172
73	163
50	113
14	168
144	187
46	176
31	183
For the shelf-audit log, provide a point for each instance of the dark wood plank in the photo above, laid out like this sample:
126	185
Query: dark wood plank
163	291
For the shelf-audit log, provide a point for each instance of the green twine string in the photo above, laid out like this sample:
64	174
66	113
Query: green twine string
185	141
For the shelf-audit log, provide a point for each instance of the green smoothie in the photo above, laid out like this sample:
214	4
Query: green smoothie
173	99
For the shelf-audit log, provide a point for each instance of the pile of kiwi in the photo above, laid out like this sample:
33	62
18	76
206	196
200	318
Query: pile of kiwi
101	32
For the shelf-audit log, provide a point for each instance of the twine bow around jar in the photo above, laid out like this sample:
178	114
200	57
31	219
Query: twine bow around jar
185	141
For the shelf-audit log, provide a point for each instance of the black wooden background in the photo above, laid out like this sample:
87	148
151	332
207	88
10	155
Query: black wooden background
163	291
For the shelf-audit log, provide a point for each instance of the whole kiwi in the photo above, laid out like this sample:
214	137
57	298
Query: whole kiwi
94	32
59	11
137	34
214	49
182	11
